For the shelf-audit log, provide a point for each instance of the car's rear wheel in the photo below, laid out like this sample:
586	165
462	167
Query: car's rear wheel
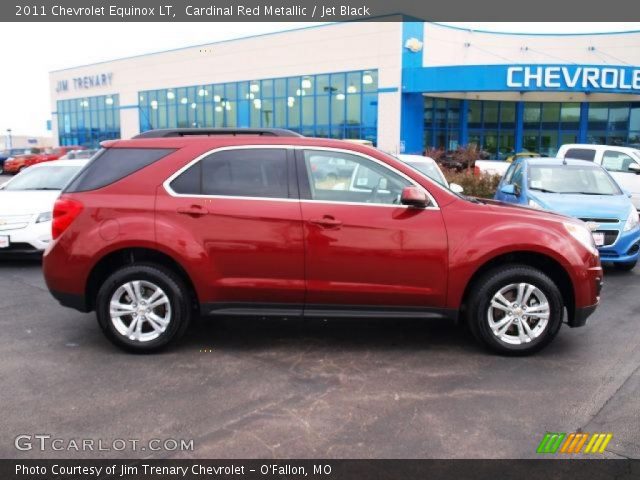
625	266
143	308
515	310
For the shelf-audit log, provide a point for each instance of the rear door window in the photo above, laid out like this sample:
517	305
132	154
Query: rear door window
113	164
581	154
255	172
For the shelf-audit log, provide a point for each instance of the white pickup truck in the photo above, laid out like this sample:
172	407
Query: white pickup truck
623	163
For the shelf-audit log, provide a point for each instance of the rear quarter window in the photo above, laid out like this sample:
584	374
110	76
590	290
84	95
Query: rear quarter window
113	164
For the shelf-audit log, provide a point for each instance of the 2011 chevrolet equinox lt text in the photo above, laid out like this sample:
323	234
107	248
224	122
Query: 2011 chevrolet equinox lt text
173	224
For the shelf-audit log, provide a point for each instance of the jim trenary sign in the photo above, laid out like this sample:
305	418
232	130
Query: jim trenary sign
574	77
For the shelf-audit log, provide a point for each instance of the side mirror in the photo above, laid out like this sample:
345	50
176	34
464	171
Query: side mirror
635	168
414	197
455	188
508	189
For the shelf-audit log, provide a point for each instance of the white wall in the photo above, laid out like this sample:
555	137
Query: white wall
447	46
332	48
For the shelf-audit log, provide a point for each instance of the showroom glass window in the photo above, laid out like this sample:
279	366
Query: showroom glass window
88	121
335	105
615	123
548	125
442	123
492	126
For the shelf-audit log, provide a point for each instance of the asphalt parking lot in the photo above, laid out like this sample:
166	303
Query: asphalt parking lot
245	388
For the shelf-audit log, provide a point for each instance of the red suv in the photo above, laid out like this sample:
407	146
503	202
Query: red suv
176	223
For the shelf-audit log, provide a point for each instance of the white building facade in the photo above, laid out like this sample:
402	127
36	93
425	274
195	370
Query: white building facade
406	86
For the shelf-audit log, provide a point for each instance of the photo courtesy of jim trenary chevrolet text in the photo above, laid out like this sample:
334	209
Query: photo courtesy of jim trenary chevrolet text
321	239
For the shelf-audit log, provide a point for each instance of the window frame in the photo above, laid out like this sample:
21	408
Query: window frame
297	174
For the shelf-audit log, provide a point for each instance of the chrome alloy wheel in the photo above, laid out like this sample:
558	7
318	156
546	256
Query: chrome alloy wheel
140	311
518	313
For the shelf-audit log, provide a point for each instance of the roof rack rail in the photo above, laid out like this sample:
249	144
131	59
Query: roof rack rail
189	132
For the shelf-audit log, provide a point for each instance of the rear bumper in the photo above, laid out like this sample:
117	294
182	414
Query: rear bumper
71	300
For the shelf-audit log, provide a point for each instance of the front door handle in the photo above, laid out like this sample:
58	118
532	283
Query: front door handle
326	221
193	210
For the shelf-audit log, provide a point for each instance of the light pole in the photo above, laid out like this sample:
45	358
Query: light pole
9	139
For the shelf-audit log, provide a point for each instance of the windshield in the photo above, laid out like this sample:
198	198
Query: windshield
430	170
44	178
578	179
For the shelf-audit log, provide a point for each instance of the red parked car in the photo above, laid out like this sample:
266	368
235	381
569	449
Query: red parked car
20	162
171	224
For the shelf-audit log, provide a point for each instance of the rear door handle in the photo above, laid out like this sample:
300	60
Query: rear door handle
193	210
326	222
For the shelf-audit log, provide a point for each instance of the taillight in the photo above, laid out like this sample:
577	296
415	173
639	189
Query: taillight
65	211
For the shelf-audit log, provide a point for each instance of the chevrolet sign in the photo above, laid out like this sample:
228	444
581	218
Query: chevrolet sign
584	78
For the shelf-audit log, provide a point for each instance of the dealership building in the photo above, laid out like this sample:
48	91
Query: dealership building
406	86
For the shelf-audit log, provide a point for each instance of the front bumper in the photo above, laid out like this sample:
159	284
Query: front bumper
626	249
32	239
588	301
581	315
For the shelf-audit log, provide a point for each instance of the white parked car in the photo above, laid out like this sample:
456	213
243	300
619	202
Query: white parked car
26	204
430	168
623	163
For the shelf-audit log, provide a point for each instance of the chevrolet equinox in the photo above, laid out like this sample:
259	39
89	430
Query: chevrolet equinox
177	223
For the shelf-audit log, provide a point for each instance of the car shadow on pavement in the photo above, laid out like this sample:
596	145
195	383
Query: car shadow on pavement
250	333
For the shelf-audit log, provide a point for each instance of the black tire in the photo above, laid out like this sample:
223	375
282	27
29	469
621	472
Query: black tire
626	266
483	291
171	284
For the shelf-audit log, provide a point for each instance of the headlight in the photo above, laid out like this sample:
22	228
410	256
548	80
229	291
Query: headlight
534	204
632	220
44	217
582	235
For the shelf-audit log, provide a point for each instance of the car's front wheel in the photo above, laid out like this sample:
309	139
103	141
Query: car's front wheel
515	309
143	308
